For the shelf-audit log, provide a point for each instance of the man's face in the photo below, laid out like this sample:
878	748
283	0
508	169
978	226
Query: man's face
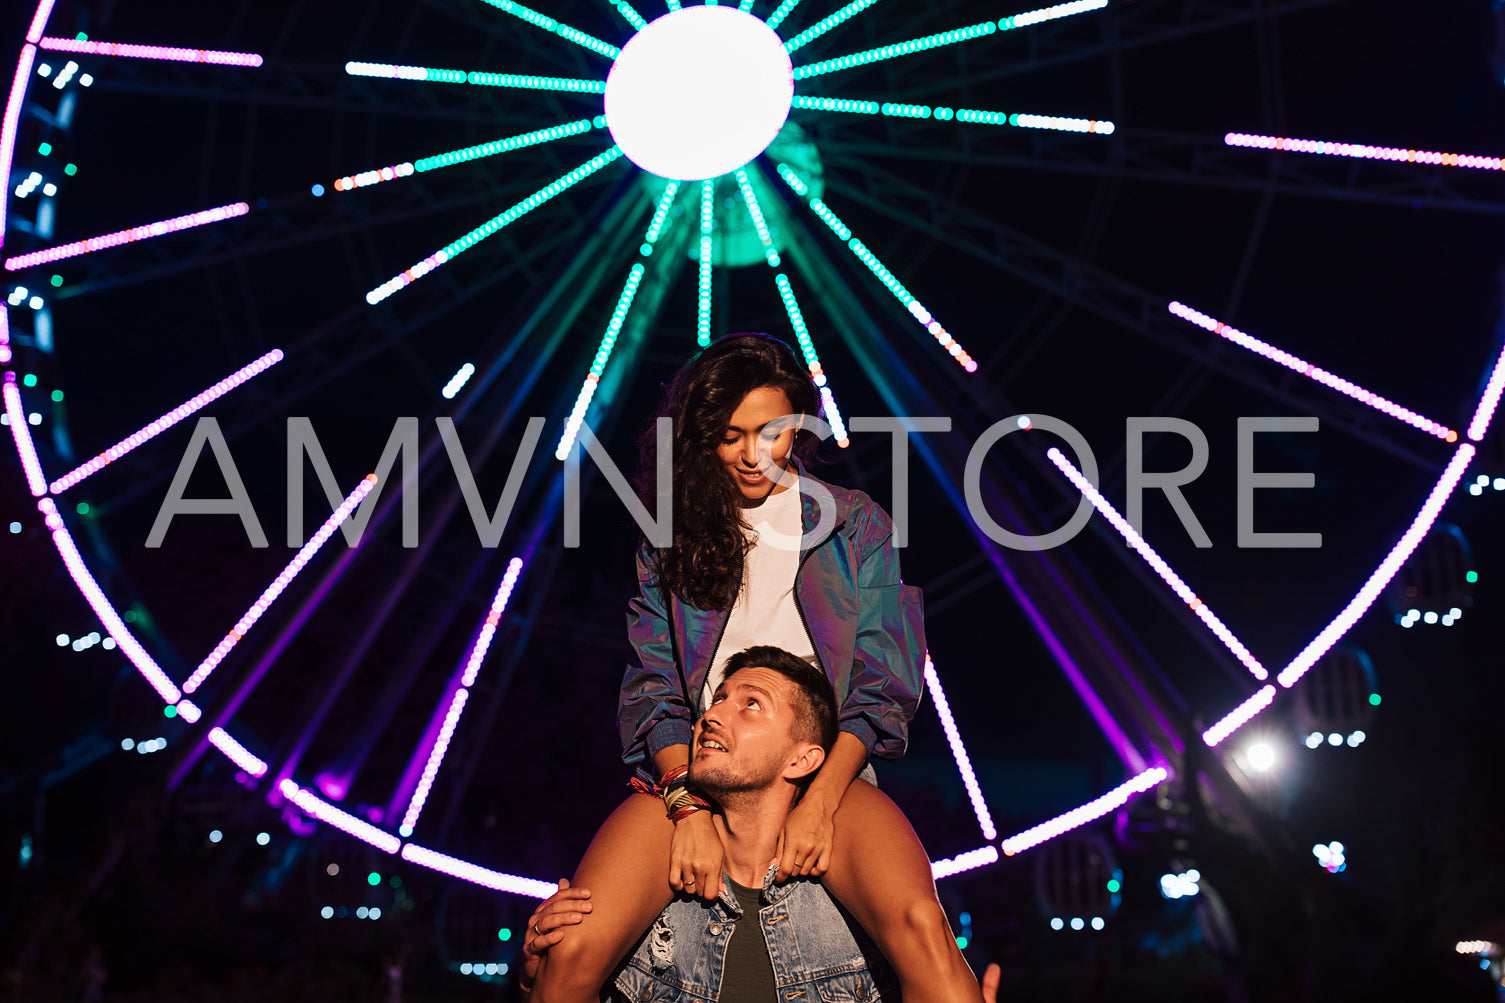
743	741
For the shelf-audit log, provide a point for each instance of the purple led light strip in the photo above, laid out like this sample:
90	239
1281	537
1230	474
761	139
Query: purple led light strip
436	758
39	21
1182	590
1239	716
189	711
959	752
4	329
1115	798
237	753
13	109
1387	570
1360	151
1322	376
963	862
177	55
144	232
165	422
97	601
25	448
316	807
279	584
473	661
1488	401
474	873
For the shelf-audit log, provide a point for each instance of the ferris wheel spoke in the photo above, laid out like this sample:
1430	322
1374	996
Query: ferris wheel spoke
146	231
564	31
825	24
781	12
477	78
1362	151
895	50
168	53
1163	569
1094	289
417	271
959	751
148	432
631	16
343	511
614	326
1322	376
942	113
463	155
704	258
889	280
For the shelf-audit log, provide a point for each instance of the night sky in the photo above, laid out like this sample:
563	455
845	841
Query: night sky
1050	257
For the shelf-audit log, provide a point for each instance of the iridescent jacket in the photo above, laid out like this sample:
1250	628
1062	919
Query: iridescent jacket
866	627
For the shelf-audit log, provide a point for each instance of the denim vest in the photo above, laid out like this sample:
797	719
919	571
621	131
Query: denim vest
819	953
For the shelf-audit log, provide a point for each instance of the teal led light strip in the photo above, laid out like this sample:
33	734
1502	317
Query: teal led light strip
672	4
745	6
759	223
802	335
598	366
707	217
836	104
1050	13
825	24
547	23
432	74
568	180
782	11
889	280
896	49
629	14
660	214
506	145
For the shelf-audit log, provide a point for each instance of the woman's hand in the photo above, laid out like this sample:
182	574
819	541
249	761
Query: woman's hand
566	907
805	841
695	857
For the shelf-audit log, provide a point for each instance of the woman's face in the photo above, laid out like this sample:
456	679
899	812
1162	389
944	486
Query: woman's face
746	438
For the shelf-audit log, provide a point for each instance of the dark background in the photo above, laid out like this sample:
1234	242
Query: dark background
122	886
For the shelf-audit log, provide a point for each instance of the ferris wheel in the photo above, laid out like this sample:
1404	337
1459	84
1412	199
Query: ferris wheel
516	208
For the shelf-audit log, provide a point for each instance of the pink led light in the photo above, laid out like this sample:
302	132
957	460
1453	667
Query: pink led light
165	422
131	51
316	807
15	414
1387	570
39	22
4	329
189	711
97	601
203	218
373	177
1360	151
436	758
1489	401
1182	590
237	753
963	862
475	874
13	110
279	584
959	751
1110	801
493	618
1239	716
1327	379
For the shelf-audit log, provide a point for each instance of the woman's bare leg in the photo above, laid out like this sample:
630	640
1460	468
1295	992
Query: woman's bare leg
881	873
626	869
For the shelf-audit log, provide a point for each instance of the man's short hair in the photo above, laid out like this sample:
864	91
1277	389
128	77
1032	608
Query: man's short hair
815	710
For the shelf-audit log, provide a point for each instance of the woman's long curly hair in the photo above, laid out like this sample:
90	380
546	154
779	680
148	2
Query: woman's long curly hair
703	566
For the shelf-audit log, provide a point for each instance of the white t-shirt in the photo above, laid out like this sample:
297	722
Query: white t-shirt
764	612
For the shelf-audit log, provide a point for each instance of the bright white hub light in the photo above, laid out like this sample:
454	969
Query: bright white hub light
1261	756
699	92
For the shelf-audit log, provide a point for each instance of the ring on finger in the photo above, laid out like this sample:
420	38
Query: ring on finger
537	930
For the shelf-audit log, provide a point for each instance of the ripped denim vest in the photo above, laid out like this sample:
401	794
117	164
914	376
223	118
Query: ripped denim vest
819	952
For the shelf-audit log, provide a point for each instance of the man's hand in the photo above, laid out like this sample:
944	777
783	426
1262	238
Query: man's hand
566	907
990	980
695	857
805	841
